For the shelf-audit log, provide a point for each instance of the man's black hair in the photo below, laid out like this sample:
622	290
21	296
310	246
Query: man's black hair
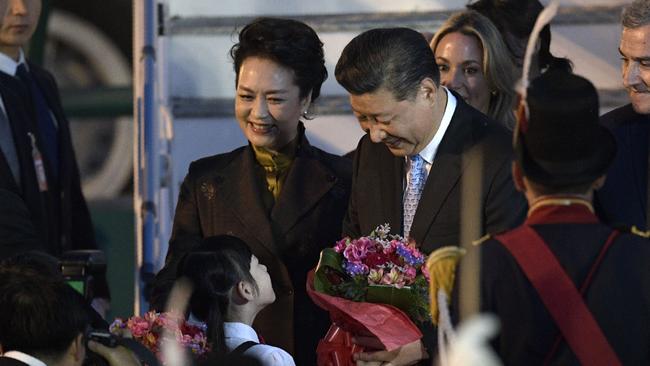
38	315
397	59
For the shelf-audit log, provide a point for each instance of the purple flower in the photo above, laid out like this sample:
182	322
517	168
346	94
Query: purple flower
410	255
355	268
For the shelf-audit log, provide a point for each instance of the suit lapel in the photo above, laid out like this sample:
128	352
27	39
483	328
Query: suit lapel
8	88
65	144
14	95
445	172
307	182
391	182
241	194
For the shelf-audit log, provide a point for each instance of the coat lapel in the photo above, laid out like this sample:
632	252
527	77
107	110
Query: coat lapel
307	182
241	194
445	172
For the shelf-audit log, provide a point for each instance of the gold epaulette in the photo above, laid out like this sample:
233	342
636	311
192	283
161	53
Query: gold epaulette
644	234
482	239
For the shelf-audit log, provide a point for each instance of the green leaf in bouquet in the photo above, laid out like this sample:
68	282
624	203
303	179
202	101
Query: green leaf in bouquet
401	298
329	272
354	289
410	299
420	307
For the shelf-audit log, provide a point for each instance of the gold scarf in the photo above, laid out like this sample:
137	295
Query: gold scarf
276	165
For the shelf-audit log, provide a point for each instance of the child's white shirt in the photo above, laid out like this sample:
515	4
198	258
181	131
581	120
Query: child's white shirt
238	333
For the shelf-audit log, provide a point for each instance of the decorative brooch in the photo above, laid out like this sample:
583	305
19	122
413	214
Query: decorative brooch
208	190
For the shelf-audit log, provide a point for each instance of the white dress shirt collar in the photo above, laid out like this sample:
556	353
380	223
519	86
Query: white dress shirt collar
239	333
240	330
8	65
429	151
24	358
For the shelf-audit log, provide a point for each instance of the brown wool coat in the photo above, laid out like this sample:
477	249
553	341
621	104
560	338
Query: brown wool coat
222	194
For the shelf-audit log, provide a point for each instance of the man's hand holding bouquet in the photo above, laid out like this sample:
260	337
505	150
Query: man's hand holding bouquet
376	289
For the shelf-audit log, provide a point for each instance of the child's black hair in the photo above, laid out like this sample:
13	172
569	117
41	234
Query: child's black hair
214	268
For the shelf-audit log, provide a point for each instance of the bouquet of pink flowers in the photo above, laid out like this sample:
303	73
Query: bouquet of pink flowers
379	268
367	285
149	331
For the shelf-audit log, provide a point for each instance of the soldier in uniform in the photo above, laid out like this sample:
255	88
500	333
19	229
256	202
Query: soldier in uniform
567	288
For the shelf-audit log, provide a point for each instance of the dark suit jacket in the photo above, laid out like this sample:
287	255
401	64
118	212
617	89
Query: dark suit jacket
623	198
17	232
222	194
377	184
619	296
7	361
61	216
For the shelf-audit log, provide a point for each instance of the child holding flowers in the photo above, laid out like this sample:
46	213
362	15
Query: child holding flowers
230	288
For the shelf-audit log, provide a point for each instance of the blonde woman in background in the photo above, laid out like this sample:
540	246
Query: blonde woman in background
474	62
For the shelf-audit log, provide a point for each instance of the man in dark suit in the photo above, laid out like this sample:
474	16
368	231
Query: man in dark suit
568	289
37	161
624	197
421	140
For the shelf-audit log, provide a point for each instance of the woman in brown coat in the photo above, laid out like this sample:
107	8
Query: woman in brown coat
285	198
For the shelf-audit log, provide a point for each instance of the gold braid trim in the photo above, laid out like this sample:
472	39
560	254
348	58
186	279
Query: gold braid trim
566	201
441	265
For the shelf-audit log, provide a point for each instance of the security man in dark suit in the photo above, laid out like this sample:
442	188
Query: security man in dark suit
568	289
37	161
421	140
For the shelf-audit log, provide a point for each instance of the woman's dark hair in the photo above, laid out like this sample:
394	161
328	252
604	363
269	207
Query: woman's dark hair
214	268
288	42
517	18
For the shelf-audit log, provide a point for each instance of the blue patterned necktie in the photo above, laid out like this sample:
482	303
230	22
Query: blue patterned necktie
45	123
417	178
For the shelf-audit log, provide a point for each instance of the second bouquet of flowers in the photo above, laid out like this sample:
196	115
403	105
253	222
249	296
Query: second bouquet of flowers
375	285
150	331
